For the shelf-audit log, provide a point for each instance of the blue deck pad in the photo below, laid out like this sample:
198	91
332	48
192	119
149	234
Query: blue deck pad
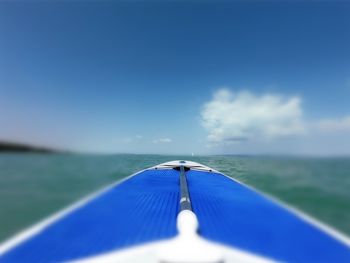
141	209
232	214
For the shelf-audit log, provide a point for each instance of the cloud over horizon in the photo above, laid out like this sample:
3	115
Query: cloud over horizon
162	140
242	116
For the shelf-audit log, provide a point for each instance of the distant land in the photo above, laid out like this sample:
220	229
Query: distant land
24	148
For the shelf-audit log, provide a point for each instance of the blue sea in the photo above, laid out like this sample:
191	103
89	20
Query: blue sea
33	186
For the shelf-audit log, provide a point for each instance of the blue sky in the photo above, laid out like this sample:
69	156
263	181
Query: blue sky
152	77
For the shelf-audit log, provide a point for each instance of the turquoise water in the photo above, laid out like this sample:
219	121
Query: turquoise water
33	186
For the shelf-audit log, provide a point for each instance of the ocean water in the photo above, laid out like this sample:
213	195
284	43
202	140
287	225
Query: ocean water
33	186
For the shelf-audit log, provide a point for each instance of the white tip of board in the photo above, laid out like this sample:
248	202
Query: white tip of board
188	246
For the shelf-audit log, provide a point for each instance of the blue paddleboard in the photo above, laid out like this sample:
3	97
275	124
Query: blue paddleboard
178	211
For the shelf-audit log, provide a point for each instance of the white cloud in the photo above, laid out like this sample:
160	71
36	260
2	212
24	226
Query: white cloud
241	116
162	140
333	125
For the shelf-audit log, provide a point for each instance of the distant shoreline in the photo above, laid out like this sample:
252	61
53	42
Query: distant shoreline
24	148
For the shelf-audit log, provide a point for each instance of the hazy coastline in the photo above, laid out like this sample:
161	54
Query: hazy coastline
24	148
